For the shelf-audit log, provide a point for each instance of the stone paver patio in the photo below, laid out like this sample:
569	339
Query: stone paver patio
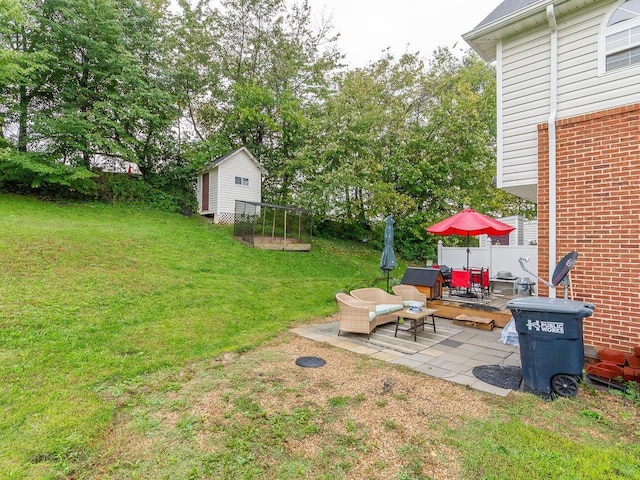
452	359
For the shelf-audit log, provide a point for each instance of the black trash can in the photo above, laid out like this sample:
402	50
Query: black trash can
551	344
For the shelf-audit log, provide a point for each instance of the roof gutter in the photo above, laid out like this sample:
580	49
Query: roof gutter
494	27
553	113
511	18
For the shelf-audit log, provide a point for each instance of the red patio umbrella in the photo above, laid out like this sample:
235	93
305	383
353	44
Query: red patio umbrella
469	222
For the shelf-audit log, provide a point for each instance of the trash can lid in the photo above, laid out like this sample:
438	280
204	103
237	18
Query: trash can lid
551	305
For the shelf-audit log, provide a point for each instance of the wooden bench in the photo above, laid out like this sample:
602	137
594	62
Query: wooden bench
474	322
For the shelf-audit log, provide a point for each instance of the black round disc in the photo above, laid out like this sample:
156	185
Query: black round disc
310	362
563	267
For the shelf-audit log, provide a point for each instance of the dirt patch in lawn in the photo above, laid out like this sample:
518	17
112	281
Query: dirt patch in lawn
259	415
388	410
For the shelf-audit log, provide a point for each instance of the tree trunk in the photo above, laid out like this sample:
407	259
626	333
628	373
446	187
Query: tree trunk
22	120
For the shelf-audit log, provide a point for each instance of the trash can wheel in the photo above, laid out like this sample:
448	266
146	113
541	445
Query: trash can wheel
564	385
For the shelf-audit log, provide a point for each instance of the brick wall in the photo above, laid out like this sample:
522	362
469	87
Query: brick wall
598	214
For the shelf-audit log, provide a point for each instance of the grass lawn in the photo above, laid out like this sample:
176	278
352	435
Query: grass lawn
108	312
98	297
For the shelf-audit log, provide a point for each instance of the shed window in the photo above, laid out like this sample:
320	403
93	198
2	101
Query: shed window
242	181
622	36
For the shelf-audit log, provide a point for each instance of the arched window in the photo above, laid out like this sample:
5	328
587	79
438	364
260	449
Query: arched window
622	36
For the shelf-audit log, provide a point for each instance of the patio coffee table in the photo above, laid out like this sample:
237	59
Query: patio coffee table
417	319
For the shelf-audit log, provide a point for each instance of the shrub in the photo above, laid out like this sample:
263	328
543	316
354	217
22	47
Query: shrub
170	189
122	188
26	172
341	230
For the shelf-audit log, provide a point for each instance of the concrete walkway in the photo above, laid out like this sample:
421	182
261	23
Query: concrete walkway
452	359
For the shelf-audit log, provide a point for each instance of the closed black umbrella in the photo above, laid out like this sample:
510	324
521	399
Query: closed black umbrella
388	260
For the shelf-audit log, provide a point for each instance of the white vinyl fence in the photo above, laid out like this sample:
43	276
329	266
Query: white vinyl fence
496	258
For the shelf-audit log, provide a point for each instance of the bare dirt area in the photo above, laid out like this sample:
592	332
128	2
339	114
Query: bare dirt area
353	418
395	407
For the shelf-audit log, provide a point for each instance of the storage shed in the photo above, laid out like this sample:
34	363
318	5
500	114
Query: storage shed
427	280
234	176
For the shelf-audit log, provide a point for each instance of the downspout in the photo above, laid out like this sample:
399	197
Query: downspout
500	117
553	112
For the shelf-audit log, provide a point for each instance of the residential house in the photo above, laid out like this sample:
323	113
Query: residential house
234	176
525	232
568	92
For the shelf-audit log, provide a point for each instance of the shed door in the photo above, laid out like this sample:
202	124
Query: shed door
205	192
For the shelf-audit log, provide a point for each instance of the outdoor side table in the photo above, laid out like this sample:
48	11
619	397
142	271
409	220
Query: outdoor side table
417	319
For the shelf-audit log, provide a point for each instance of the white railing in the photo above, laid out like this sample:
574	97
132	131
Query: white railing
496	258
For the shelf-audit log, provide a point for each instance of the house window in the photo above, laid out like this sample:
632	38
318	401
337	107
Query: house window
242	181
622	36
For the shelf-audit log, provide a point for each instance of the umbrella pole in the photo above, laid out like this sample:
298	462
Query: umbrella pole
387	281
469	293
470	275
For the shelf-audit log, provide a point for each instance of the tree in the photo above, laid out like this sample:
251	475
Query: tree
82	79
102	88
111	85
267	68
410	139
24	64
359	131
11	69
192	43
93	83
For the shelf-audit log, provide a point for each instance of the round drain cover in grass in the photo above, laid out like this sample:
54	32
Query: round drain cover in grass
310	362
499	376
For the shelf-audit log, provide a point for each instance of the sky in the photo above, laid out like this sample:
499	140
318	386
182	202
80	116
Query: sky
368	27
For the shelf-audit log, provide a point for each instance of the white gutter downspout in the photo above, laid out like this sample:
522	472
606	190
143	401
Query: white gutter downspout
553	112
500	116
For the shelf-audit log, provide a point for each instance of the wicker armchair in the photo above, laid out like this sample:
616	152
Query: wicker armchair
356	316
410	294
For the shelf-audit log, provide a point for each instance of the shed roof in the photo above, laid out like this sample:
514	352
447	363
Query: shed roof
216	162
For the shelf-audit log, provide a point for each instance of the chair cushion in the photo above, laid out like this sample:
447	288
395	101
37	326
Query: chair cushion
372	316
387	308
413	303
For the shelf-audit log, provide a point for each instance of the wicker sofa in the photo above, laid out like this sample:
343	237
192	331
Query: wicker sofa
366	308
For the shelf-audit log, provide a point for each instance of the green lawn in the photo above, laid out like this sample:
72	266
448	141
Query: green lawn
96	297
116	321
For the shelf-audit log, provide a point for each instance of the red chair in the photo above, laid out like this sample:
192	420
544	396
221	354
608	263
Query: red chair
460	279
480	280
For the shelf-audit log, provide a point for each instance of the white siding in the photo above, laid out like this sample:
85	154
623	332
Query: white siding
213	191
525	69
517	236
525	73
580	87
199	192
530	230
239	165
